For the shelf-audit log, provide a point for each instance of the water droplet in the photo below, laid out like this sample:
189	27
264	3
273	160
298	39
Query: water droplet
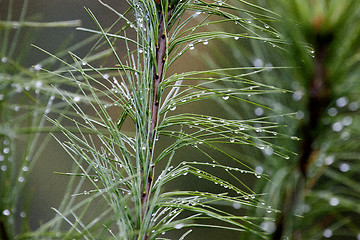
354	106
38	67
206	42
232	140
6	150
236	38
295	138
106	76
332	112
269	67
259	169
329	160
248	21
225	97
76	99
21	179
268	209
191	46
344	167
347	121
327	233
259	111
337	127
173	108
334	201
268	151
196	14
236	205
3	168
297	95
6	212
299	115
268	226
266	26
342	102
258	62
96	179
86	193
22	214
4	59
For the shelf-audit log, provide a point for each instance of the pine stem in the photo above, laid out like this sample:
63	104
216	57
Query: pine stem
158	77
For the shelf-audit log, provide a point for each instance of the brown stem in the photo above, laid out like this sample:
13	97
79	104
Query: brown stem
158	77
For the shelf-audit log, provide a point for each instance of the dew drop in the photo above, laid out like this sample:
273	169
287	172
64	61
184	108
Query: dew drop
334	201
329	160
236	205
266	26
6	150
344	167
38	67
268	210
354	106
206	42
327	233
258	62
191	46
297	95
332	112
342	102
3	168
337	127
347	121
259	111
6	212
173	108
225	97
4	59
232	140
76	99
268	226
259	169
236	38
